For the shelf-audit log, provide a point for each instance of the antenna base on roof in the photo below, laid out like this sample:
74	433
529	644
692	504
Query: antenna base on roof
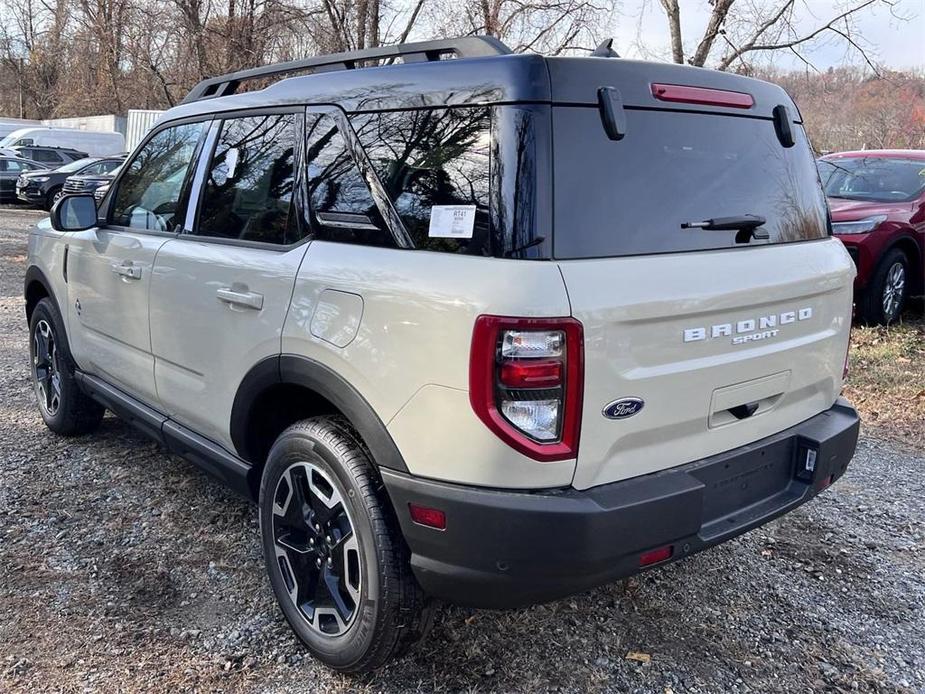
605	50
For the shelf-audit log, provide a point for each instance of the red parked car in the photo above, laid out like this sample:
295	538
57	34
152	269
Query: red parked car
877	198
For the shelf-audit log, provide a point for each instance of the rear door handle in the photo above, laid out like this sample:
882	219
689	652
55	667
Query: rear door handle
127	269
238	297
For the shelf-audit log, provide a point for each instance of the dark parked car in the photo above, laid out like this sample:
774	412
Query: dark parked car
10	170
51	156
98	174
877	198
100	192
43	188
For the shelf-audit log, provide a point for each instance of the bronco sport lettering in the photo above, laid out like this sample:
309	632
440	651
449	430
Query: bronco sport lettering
745	329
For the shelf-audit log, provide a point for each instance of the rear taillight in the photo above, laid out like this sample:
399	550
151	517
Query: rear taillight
525	382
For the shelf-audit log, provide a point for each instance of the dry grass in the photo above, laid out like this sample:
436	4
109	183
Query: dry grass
887	379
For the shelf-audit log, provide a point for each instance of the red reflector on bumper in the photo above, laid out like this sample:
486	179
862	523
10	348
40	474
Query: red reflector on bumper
431	517
654	556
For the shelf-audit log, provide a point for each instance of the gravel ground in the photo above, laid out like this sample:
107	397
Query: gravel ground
122	567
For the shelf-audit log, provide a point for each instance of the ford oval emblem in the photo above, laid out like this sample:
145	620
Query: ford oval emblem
623	408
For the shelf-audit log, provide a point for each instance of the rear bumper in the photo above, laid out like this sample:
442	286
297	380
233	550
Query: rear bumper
508	549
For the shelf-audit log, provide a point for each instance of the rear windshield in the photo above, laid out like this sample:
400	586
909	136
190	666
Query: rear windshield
632	196
883	179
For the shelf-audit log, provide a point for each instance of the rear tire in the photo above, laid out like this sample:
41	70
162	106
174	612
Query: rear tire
885	296
65	408
336	560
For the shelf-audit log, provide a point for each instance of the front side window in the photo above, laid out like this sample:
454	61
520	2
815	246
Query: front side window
342	207
248	191
148	196
434	166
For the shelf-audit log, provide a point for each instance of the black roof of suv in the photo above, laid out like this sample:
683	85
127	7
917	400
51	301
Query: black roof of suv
420	75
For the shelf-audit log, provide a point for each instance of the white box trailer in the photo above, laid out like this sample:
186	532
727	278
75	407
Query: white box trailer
137	124
102	123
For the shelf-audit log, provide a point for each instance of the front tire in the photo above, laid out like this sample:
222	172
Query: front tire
334	554
65	409
53	196
884	299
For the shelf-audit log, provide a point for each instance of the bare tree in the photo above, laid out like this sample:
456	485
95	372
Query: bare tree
736	29
545	26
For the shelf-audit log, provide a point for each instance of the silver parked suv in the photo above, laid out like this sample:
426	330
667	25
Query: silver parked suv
492	330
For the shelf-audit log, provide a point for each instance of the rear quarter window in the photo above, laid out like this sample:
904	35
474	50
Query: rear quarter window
429	158
632	196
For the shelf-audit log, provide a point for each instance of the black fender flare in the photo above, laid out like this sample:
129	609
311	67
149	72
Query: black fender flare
294	369
34	275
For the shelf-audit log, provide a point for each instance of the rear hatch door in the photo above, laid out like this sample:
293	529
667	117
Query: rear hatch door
696	341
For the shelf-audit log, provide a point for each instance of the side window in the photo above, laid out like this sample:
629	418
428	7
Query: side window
342	208
247	194
11	166
24	142
149	192
47	155
429	159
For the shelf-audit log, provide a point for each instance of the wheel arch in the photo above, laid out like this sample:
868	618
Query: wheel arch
35	288
281	390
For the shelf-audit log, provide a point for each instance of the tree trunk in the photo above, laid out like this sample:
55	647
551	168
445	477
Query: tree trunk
674	28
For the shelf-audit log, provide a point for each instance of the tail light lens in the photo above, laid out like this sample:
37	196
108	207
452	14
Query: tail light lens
526	377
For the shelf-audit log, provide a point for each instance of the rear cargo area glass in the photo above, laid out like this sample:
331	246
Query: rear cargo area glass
632	196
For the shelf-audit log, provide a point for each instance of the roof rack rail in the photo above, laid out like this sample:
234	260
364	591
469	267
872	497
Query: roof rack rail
423	51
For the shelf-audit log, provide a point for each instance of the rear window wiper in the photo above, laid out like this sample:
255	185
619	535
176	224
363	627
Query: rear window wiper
747	224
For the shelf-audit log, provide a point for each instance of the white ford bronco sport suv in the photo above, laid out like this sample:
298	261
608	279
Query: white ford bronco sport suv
492	329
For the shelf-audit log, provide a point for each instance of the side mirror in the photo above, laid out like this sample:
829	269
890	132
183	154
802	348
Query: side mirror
74	213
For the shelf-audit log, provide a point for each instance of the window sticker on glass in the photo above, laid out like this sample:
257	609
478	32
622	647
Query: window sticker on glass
451	221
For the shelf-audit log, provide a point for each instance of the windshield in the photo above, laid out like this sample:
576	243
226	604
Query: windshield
654	190
76	165
877	179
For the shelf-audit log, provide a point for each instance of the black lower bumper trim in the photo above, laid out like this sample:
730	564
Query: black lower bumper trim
508	549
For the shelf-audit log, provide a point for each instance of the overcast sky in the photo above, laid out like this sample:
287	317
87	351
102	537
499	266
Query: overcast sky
641	28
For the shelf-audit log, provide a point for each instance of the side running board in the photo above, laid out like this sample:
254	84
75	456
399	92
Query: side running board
237	474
